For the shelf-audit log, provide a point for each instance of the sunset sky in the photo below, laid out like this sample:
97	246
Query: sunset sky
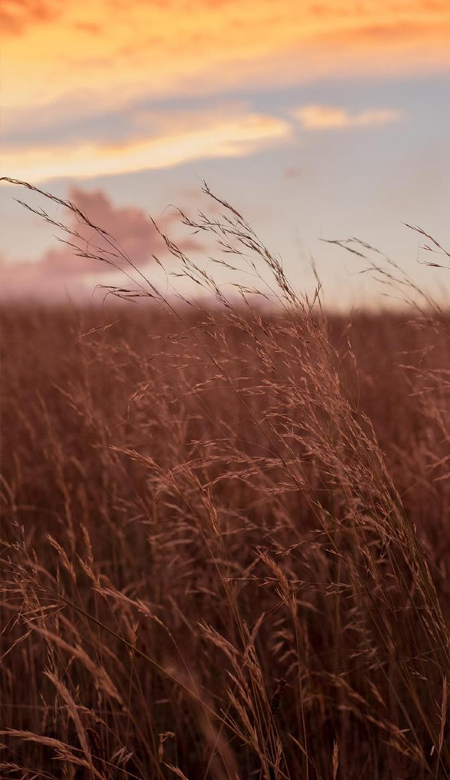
316	119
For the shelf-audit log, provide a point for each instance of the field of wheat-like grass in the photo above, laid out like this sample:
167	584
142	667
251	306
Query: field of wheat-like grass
225	535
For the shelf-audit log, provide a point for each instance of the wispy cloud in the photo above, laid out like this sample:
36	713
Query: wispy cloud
16	15
174	48
335	118
210	136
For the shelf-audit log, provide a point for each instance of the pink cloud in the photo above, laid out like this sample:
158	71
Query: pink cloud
62	269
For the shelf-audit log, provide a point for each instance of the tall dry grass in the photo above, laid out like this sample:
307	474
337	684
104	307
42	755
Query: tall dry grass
225	532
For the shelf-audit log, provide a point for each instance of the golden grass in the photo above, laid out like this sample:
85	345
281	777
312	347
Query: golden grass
226	545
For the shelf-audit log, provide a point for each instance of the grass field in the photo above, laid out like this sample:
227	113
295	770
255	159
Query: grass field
226	541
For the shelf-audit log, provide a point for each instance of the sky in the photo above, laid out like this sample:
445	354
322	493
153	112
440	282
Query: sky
316	120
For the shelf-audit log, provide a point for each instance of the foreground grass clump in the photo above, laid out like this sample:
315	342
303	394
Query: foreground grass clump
226	544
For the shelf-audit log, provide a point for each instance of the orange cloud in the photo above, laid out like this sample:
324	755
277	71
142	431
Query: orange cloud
126	49
333	118
16	15
207	136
